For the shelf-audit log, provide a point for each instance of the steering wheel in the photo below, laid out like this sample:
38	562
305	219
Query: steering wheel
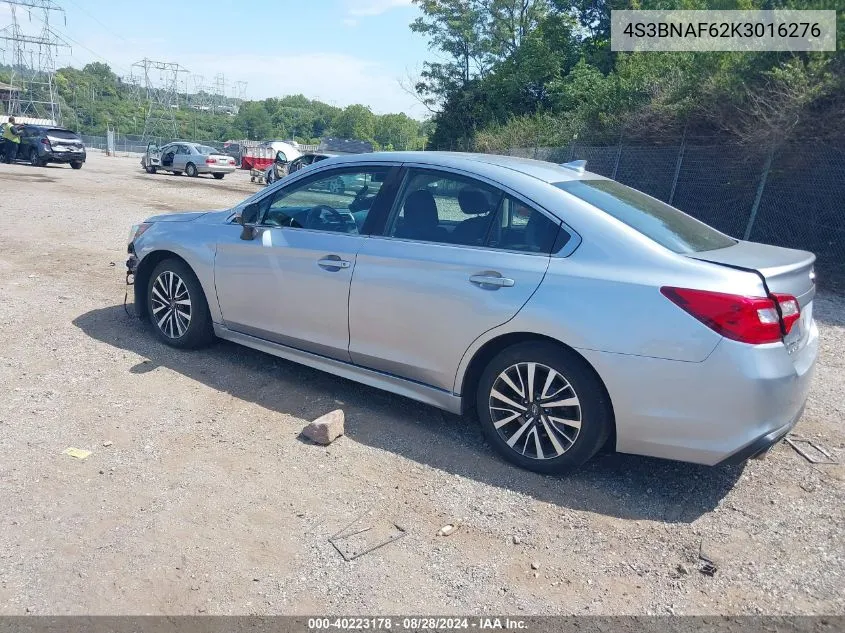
315	215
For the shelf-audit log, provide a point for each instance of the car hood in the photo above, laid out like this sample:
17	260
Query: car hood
187	216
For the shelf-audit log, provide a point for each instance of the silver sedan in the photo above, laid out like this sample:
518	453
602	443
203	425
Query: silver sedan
566	310
192	159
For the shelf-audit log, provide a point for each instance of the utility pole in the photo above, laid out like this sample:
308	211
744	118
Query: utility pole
33	61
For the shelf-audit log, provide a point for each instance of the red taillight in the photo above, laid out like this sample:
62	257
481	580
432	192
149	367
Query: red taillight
45	141
753	320
210	160
231	161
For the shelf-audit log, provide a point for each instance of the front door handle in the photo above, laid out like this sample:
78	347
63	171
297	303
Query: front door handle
494	280
333	262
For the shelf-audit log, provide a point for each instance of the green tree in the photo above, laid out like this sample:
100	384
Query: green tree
355	122
253	121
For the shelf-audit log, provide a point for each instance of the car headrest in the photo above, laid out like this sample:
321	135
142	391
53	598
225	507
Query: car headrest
473	201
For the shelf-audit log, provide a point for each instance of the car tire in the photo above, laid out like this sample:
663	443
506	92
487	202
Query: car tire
218	176
178	324
76	164
34	160
191	170
558	438
150	169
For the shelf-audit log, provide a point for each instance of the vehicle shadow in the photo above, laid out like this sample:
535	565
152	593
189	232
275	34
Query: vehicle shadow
622	486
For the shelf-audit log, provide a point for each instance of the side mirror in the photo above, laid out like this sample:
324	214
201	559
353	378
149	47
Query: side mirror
247	218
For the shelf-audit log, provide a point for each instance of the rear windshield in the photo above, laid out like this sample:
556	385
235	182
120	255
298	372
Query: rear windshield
205	149
656	220
63	134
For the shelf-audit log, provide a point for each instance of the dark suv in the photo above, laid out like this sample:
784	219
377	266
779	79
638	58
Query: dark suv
41	145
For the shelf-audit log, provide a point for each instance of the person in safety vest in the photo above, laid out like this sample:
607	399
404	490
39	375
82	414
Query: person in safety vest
11	140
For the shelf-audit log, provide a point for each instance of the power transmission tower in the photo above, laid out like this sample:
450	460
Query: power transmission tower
161	80
219	94
33	61
239	91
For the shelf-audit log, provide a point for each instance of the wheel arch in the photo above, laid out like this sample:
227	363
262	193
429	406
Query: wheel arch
467	383
145	270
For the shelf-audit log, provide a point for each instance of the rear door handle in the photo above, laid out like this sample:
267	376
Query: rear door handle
333	261
492	280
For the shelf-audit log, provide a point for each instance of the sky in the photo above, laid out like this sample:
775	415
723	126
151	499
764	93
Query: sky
339	51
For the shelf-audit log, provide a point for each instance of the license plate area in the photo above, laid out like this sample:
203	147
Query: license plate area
797	337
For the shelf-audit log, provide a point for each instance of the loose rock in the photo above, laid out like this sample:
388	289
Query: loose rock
446	530
325	429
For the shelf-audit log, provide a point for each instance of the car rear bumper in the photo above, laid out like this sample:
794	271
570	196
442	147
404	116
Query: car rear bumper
730	407
215	169
64	157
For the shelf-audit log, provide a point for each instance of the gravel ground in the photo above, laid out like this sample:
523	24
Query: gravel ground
199	497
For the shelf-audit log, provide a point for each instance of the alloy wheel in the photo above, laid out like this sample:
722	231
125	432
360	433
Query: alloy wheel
171	304
535	410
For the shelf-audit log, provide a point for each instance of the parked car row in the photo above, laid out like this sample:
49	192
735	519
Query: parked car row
567	311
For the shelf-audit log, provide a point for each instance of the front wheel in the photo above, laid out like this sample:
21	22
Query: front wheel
177	306
219	176
543	408
150	169
191	170
76	164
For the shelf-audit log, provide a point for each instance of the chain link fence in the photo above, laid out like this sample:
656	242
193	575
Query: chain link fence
793	196
126	144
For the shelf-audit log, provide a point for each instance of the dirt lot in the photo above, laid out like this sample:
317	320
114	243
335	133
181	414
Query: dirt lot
206	501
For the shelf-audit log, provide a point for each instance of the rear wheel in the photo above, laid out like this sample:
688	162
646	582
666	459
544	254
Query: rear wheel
543	408
219	176
76	164
177	306
191	170
34	160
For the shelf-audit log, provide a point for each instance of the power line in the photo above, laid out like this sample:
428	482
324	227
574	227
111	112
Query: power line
97	20
33	65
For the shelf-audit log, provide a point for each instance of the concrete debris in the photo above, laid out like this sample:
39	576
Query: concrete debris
325	429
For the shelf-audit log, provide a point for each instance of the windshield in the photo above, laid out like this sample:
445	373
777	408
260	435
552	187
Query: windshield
205	149
658	221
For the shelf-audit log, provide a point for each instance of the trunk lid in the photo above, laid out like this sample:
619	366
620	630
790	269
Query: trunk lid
785	270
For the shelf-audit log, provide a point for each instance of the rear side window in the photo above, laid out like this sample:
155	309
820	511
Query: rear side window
658	221
63	134
451	209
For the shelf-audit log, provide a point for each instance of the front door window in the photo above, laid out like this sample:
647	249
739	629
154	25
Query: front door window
338	201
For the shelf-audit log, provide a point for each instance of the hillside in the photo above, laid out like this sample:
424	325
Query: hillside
95	98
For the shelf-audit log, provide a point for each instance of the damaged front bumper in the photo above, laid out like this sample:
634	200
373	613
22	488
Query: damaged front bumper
131	270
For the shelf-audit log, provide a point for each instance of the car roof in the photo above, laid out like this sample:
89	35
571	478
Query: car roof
481	163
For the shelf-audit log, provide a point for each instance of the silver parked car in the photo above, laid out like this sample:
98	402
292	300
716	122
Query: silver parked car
565	309
192	159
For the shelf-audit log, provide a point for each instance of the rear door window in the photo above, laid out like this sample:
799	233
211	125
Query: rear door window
452	209
66	135
658	221
521	228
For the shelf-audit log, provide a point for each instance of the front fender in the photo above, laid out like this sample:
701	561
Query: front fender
193	242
